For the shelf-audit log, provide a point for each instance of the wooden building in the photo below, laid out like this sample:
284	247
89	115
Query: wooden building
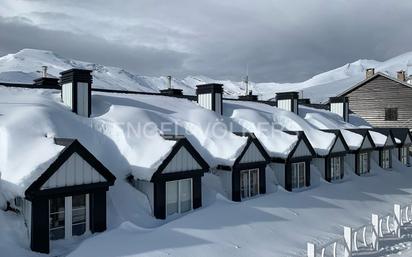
381	100
176	185
246	178
293	172
332	166
68	198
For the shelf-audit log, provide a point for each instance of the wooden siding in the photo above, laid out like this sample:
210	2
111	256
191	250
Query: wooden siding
370	100
367	144
218	103
82	99
302	150
205	100
285	104
75	171
182	161
337	108
67	94
252	154
338	146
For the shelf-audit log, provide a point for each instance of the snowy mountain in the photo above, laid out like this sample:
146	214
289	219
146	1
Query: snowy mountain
25	65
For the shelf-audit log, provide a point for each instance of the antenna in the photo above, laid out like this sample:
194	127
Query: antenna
247	80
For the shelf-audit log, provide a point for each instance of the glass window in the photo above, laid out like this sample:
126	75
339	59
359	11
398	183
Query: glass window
386	159
178	196
78	215
391	114
244	184
249	183
404	155
185	188
57	218
336	168
172	197
298	175
363	163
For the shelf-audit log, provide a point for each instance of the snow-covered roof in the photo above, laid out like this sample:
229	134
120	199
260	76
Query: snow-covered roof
283	120
124	132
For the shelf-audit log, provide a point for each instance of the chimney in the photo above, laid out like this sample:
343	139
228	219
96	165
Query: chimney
370	72
170	91
210	96
44	71
340	106
45	82
401	75
288	101
76	86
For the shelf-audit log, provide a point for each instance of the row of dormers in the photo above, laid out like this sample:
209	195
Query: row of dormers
77	180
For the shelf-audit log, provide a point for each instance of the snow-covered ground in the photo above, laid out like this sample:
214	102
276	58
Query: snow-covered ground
25	65
276	224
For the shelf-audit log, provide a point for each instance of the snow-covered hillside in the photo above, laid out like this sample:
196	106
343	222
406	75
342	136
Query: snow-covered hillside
25	66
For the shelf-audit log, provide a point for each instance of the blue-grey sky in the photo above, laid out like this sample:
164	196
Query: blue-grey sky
279	40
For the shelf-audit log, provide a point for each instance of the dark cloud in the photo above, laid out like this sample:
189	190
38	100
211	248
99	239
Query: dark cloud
283	41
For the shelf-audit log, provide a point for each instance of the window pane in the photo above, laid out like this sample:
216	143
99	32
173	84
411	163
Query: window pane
56	218
79	201
244	184
79	216
79	229
185	195
56	205
57	234
171	197
301	175
294	175
254	184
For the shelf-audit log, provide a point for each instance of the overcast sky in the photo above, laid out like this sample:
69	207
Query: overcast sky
282	41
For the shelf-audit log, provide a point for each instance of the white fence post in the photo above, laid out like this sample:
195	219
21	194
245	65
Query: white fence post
311	248
398	217
347	234
376	232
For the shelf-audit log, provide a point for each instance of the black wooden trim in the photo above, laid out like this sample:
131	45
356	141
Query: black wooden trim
209	88
159	199
98	211
328	169
287	95
39	237
74	97
307	170
70	190
288	176
262	180
236	197
74	147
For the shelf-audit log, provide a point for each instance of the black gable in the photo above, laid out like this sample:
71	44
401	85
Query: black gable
251	138
71	146
180	142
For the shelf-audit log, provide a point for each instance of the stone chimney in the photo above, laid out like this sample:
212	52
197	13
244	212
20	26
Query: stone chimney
370	72
340	106
401	75
210	96
76	86
288	101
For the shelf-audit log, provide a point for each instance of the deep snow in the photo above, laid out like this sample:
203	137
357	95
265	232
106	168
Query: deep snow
278	223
